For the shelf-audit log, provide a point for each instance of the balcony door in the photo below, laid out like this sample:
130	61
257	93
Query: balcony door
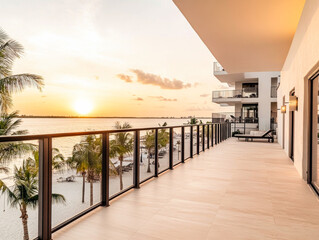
250	113
313	177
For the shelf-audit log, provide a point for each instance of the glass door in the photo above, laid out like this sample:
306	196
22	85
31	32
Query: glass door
250	113
314	134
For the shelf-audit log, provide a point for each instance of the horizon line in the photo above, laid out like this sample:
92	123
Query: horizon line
55	116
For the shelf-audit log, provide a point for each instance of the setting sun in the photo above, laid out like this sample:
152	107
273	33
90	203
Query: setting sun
83	106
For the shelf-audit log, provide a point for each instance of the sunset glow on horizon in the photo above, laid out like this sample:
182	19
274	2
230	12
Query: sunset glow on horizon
83	106
126	64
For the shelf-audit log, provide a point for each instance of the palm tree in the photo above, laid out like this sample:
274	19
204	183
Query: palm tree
58	160
120	146
11	83
149	143
24	192
8	151
86	159
193	121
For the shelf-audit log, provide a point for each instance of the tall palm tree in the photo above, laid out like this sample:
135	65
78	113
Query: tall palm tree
8	151
121	146
11	83
149	143
24	193
86	159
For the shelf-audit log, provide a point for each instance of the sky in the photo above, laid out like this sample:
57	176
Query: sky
110	58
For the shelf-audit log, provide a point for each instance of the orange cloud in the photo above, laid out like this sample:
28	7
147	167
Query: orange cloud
125	78
161	98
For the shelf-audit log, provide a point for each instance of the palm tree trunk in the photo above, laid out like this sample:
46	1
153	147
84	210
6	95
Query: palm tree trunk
24	218
83	186
120	172
91	192
148	162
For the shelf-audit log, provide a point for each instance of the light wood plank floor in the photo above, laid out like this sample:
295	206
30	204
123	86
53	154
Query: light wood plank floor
237	190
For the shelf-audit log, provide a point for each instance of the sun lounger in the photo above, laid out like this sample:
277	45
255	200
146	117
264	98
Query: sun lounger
260	135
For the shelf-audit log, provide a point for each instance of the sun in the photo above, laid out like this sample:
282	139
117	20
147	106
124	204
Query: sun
83	106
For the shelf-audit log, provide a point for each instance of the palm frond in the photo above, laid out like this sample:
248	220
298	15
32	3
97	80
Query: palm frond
4	189
18	82
58	198
5	101
4	169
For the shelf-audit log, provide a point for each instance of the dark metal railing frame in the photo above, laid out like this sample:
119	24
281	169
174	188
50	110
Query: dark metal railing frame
45	230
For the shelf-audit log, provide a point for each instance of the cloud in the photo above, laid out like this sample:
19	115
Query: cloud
125	78
43	96
196	84
138	99
161	98
156	80
204	95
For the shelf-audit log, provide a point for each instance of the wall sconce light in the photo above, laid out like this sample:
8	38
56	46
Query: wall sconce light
283	109
293	103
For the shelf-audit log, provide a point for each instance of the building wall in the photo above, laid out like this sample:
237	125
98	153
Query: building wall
302	56
264	99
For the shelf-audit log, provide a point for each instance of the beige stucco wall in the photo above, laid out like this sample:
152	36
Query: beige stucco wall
302	56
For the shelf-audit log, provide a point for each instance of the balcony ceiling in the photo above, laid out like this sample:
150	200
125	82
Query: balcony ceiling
246	35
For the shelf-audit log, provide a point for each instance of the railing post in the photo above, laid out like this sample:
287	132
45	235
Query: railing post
191	141
208	135
156	154
136	160
171	149
45	188
183	145
105	169
218	132
197	139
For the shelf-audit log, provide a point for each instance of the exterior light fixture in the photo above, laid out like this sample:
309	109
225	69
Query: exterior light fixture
283	109
293	103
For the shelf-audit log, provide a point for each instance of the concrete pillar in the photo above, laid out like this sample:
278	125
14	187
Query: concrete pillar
264	101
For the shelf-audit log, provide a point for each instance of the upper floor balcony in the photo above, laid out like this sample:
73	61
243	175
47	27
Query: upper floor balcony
232	96
218	69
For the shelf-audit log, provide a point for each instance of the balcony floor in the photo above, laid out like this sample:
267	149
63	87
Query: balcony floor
237	190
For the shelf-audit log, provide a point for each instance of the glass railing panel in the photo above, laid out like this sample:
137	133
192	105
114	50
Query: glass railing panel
211	138
187	137
206	134
76	175
201	136
121	162
215	133
194	140
19	172
163	149
147	154
177	145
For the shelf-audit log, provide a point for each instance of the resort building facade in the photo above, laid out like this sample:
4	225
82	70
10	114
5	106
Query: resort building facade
253	96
